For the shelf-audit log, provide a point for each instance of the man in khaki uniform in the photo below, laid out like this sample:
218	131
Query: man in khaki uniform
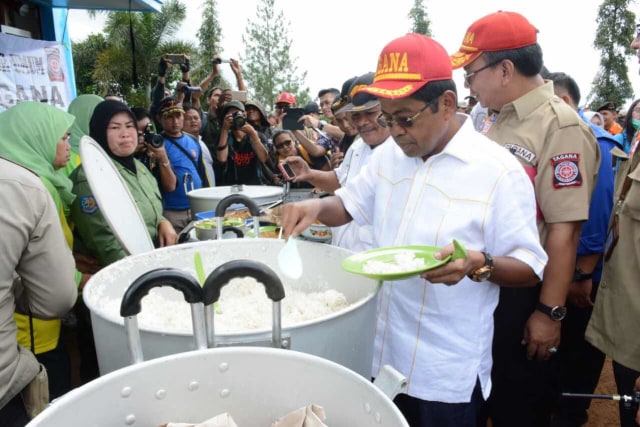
502	63
613	327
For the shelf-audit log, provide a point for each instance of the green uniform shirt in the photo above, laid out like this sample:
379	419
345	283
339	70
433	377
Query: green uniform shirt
94	236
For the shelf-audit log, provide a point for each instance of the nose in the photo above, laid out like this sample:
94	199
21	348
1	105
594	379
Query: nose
635	44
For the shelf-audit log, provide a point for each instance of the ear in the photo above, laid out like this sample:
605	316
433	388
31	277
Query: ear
449	103
508	71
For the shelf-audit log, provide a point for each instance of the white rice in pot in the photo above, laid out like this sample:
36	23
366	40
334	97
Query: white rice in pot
243	305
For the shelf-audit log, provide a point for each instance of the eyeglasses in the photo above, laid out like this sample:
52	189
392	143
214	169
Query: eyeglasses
282	106
468	78
284	144
386	121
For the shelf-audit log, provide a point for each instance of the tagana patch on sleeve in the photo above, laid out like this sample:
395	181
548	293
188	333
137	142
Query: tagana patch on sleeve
88	204
566	170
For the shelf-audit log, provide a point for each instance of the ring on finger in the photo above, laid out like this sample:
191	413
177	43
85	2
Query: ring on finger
553	350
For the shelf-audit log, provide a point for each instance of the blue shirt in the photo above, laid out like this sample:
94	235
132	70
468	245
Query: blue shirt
594	229
182	165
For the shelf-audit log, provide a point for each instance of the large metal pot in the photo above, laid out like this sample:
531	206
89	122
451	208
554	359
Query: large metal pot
206	199
254	385
344	337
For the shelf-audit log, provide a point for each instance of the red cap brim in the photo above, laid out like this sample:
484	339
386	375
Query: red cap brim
461	59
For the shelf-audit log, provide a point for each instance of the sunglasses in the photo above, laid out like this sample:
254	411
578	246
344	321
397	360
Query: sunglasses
468	78
386	121
282	106
283	144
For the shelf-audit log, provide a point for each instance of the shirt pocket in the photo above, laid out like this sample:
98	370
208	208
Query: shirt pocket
632	199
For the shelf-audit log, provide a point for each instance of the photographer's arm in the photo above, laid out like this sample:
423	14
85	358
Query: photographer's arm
168	180
312	148
256	143
223	142
186	96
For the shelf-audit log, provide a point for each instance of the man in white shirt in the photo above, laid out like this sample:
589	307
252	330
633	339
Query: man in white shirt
353	236
441	180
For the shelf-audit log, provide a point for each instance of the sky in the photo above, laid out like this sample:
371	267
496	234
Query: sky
334	40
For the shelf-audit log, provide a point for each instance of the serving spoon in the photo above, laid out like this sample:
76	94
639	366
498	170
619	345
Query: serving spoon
289	260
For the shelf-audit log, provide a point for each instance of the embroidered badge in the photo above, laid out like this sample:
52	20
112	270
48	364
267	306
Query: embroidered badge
521	152
88	204
566	171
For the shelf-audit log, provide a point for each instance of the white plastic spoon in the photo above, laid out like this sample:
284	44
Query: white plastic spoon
289	260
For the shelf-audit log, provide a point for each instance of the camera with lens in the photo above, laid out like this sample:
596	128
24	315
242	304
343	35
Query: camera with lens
153	139
221	60
238	119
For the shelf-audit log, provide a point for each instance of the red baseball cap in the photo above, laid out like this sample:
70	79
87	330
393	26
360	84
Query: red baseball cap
408	63
286	97
498	31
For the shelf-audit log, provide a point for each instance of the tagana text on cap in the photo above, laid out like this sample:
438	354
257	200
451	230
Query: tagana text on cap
498	31
408	63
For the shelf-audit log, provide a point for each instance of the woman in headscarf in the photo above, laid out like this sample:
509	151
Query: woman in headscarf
113	127
35	135
82	108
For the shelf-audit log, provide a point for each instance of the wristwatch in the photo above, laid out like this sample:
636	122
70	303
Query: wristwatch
556	313
321	124
579	275
483	273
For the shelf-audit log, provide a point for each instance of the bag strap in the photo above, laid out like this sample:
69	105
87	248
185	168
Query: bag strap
200	170
33	340
627	182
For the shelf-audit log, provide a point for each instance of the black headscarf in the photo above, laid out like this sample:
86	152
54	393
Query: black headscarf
100	119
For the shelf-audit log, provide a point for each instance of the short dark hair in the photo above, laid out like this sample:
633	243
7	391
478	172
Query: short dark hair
566	82
332	90
141	113
527	60
279	132
432	90
189	106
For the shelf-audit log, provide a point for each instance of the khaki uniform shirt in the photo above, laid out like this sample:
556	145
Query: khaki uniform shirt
557	150
33	248
613	327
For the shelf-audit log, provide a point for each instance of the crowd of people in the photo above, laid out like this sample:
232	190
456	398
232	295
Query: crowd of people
542	194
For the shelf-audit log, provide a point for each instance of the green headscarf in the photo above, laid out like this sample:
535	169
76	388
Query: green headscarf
30	133
82	108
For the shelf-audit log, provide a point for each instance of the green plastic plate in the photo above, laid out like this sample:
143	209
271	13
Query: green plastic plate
355	263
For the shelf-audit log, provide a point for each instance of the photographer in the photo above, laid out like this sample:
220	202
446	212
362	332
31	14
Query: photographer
150	150
241	149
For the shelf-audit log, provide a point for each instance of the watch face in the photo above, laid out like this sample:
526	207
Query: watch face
558	313
484	276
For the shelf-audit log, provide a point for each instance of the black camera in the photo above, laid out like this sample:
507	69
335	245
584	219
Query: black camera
153	139
239	120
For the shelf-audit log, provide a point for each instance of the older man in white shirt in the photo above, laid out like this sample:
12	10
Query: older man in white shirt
440	181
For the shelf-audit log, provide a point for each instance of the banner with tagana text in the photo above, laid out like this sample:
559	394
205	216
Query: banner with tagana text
33	70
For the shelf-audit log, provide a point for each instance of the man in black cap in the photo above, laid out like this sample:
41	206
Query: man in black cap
610	114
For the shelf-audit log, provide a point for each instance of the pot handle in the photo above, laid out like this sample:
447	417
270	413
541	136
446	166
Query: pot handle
390	381
239	233
177	279
221	276
231	199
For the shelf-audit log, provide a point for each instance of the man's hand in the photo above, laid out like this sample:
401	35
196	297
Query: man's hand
186	66
297	217
163	66
158	153
309	121
235	66
167	236
336	158
453	272
300	168
540	334
580	293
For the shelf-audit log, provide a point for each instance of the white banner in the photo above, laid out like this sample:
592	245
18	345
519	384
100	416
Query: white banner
33	70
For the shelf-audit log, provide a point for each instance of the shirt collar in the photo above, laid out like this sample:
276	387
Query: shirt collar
530	101
458	147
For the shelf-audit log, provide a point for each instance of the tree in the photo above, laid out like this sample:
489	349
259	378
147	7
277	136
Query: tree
269	68
85	55
418	15
154	35
616	29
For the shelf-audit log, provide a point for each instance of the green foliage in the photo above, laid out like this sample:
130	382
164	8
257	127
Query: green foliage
85	54
420	23
154	35
616	30
268	66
